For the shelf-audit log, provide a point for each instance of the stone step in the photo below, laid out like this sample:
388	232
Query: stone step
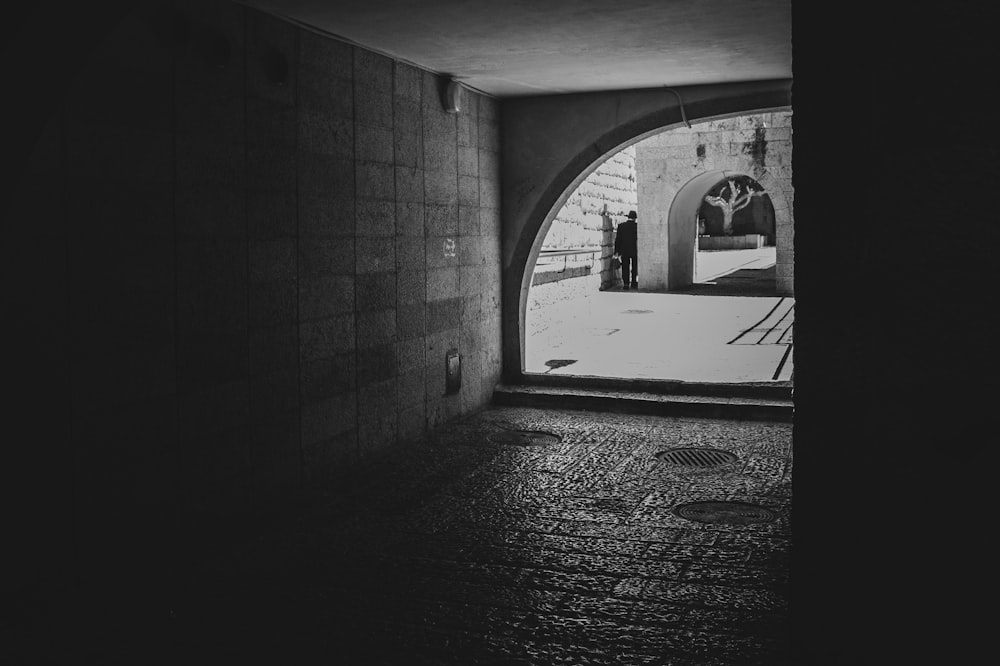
659	403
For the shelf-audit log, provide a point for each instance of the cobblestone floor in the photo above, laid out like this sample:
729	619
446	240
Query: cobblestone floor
458	550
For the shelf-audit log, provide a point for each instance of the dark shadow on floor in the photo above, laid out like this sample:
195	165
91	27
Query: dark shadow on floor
744	282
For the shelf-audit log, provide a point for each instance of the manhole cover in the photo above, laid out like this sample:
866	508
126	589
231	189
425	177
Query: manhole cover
728	513
696	457
636	311
525	438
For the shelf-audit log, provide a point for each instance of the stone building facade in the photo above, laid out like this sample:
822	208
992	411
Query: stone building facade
757	145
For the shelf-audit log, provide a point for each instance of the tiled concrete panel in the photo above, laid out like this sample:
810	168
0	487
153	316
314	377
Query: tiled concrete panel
489	193
376	218
275	393
376	364
376	417
376	328
114	378
441	155
207	161
143	210
468	220
119	293
326	377
375	255
472	380
325	134
411	321
272	260
470	250
326	295
206	361
328	176
442	283
411	421
273	124
468	191
409	185
443	314
203	211
489	136
327	418
215	473
470	279
273	303
375	181
489	222
372	88
468	161
107	158
274	348
407	81
327	337
212	287
320	92
410	256
374	144
410	357
376	291
408	147
441	220
213	408
443	410
272	215
409	219
440	187
325	256
489	108
322	459
468	126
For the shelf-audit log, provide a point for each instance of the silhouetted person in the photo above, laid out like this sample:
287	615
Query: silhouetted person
627	247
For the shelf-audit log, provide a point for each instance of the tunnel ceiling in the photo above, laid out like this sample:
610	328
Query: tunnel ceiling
533	47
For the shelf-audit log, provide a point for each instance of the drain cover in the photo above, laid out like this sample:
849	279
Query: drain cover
696	457
525	438
728	513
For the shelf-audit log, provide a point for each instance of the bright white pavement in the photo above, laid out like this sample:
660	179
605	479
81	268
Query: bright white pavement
668	336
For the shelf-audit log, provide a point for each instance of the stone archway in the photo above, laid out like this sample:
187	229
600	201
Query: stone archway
681	228
552	143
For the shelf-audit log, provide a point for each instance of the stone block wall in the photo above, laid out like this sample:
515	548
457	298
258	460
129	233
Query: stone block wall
759	145
587	221
264	243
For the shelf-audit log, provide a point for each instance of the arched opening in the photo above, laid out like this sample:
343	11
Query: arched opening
674	221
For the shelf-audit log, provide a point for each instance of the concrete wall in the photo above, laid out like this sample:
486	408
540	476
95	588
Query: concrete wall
551	143
258	245
758	145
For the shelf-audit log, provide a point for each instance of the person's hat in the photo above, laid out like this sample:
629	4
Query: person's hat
631	215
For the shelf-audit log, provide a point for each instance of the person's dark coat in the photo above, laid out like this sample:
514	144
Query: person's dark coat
626	239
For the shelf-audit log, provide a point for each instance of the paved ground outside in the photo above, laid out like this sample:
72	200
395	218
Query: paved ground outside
720	330
459	549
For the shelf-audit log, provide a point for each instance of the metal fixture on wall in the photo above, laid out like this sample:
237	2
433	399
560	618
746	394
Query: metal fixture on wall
453	96
453	371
